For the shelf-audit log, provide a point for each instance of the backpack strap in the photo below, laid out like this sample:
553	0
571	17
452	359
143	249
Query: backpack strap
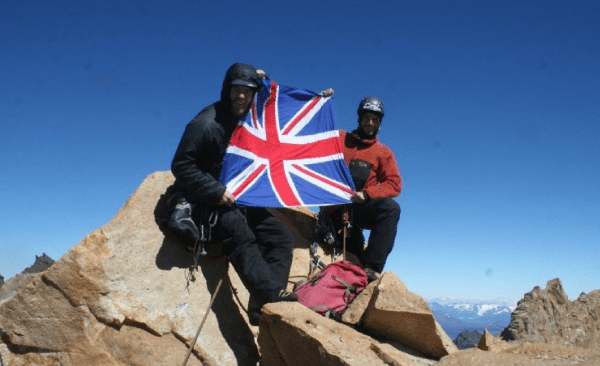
328	312
349	288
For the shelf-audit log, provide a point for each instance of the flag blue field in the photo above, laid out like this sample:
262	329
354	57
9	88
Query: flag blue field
287	152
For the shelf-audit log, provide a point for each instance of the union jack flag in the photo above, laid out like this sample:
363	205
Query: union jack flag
286	152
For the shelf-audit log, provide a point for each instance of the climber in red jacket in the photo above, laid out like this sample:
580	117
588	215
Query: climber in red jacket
377	180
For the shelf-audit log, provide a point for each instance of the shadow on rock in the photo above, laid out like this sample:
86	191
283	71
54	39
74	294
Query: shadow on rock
213	267
232	324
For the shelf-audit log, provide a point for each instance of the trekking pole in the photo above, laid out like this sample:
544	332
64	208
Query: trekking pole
344	244
346	225
212	299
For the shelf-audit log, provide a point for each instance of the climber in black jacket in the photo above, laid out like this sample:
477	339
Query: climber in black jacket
197	165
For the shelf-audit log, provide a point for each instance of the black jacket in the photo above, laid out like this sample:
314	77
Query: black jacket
197	162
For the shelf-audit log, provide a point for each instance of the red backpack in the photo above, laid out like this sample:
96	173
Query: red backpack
332	289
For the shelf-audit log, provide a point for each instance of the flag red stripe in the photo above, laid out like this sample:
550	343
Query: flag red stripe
306	110
282	185
327	181
254	116
270	122
249	180
268	150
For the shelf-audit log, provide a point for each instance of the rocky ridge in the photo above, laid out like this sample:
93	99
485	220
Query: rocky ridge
125	296
41	264
13	284
547	316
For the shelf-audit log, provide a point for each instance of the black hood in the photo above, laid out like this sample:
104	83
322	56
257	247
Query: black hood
243	72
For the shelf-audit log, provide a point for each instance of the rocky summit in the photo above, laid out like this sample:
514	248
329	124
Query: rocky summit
129	294
41	264
548	316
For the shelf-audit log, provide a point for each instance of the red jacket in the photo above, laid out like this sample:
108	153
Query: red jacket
384	180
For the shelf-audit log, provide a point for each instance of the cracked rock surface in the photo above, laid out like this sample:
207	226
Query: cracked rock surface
122	296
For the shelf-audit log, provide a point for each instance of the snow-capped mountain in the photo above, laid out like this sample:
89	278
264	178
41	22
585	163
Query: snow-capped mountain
456	315
473	311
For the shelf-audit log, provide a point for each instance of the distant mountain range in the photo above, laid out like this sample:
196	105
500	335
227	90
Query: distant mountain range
458	315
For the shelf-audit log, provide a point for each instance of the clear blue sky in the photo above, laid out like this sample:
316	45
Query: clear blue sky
492	110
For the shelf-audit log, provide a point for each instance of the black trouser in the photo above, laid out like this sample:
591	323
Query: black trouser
265	274
381	216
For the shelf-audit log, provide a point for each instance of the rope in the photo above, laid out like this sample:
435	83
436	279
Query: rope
212	300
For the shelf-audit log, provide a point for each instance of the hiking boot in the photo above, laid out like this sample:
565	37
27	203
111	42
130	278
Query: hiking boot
372	275
287	296
254	316
183	226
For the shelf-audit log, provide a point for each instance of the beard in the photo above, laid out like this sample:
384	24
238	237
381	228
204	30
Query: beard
368	135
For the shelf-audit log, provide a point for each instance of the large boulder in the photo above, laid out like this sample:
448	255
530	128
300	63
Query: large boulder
547	316
291	335
123	296
396	313
488	342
